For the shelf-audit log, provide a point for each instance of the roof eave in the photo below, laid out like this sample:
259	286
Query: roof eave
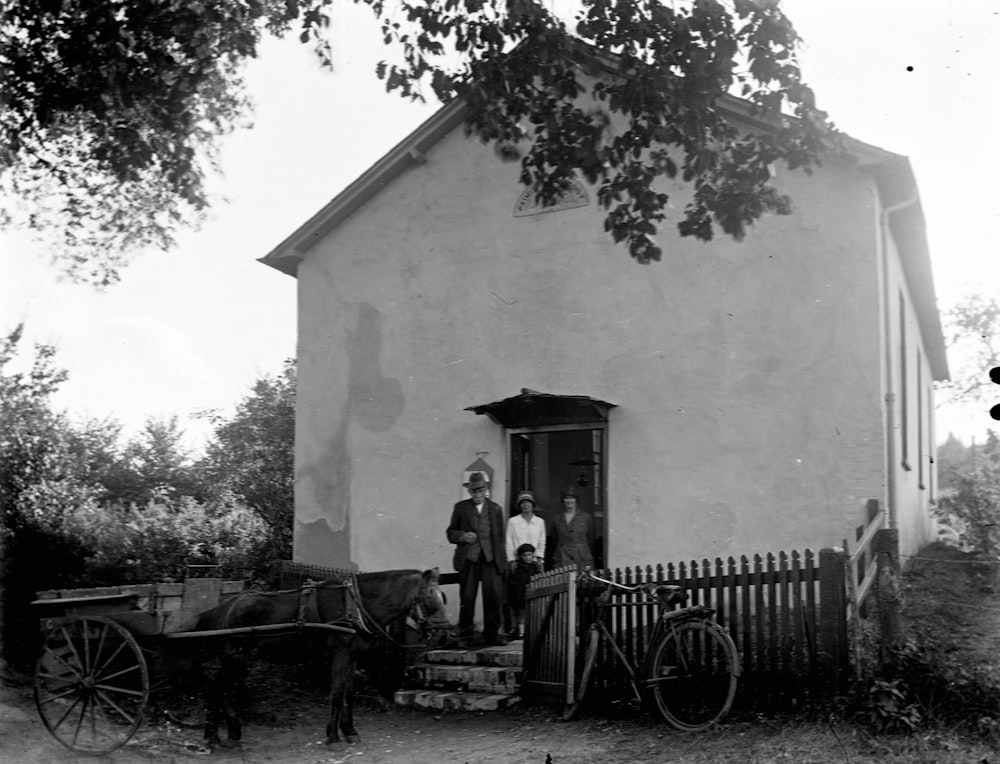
897	185
411	150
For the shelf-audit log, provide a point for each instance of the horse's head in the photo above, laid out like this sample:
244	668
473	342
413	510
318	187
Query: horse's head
427	605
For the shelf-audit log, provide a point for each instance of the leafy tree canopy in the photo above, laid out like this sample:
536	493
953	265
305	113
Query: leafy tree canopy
972	336
112	112
252	454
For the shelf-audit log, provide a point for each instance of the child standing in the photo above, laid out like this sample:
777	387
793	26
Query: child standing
518	576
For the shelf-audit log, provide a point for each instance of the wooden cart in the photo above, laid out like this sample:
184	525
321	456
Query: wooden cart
106	652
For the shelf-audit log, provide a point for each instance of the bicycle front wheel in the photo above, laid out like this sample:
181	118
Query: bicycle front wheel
693	671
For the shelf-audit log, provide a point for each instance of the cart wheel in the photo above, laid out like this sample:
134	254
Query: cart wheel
91	684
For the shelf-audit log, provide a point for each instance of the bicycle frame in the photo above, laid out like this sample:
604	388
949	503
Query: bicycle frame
668	619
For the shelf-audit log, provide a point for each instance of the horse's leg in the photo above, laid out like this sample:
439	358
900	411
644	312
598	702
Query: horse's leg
213	692
235	667
341	667
347	710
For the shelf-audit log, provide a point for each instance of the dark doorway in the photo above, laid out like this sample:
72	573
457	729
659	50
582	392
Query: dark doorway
543	460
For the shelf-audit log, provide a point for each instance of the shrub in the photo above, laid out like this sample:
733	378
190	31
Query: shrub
158	541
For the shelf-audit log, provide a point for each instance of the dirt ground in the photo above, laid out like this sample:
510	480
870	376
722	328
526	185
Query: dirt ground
286	717
292	733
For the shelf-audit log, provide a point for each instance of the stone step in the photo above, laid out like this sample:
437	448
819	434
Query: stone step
504	655
442	700
465	677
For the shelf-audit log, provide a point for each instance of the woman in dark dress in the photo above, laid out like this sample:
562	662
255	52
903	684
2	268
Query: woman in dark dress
572	534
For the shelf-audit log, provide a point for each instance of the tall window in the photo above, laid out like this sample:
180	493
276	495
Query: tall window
930	443
904	403
920	420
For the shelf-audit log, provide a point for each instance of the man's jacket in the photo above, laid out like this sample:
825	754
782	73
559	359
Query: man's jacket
465	518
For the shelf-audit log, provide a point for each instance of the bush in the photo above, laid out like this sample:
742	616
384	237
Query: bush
971	506
109	546
157	542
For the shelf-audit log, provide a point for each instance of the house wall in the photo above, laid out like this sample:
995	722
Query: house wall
746	375
910	381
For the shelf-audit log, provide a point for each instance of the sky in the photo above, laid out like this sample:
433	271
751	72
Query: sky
192	329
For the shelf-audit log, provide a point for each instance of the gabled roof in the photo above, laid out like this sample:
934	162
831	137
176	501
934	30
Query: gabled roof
408	152
892	172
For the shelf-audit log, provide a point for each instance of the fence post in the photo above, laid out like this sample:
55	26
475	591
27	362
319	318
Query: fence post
887	594
832	618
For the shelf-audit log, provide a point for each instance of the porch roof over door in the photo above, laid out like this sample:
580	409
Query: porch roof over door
532	408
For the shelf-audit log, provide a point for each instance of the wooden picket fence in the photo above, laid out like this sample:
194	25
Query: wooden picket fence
785	611
295	574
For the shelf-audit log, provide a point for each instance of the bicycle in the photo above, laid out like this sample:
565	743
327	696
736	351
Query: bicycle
690	672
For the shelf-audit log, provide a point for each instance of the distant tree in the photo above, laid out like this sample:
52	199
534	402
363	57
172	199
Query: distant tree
974	500
252	454
113	112
972	336
39	488
154	465
77	509
952	458
39	467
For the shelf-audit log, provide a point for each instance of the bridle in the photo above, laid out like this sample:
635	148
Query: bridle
417	615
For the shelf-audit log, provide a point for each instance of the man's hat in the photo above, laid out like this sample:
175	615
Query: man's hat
476	480
525	496
569	490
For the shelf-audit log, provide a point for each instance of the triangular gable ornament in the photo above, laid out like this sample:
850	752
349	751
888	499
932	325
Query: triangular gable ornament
574	195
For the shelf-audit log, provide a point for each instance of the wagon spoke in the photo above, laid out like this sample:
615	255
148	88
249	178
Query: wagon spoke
72	647
68	711
58	677
100	645
108	678
79	722
113	655
93	720
116	707
67	691
121	690
85	630
58	657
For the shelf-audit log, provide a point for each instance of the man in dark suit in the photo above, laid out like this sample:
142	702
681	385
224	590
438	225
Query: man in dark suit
476	528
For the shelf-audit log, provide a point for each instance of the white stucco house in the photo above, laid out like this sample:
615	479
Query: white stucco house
733	398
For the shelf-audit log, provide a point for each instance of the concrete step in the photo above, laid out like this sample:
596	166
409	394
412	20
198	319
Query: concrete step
464	677
441	700
509	655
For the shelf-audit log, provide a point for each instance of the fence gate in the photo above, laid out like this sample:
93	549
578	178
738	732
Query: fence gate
550	640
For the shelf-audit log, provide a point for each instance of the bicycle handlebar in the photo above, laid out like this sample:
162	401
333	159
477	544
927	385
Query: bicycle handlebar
650	588
588	574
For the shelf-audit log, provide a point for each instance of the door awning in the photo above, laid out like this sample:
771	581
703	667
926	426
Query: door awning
533	409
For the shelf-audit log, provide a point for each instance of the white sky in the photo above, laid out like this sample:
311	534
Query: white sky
194	328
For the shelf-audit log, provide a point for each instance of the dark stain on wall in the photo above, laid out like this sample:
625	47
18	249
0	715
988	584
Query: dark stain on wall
316	541
375	401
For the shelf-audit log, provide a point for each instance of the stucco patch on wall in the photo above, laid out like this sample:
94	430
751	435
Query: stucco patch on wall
376	401
317	543
324	485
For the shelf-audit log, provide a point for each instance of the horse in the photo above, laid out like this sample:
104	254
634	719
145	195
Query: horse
336	619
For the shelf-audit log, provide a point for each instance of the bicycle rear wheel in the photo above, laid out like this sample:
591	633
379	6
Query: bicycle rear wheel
693	671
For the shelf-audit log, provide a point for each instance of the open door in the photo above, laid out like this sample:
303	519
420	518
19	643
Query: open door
544	460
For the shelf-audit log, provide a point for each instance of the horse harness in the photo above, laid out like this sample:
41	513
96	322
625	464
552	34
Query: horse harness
355	617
